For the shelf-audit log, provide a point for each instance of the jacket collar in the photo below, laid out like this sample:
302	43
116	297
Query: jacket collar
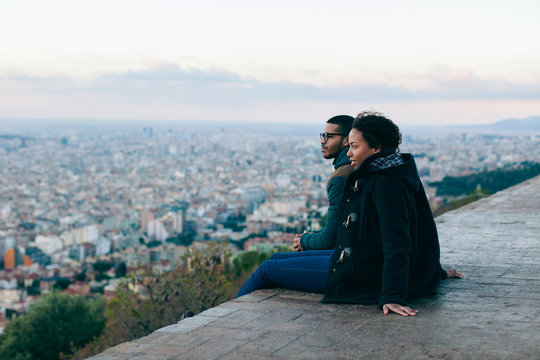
341	159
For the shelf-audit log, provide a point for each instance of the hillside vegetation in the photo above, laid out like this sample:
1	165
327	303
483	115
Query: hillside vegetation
491	181
63	326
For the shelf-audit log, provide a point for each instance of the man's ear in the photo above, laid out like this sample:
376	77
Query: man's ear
346	141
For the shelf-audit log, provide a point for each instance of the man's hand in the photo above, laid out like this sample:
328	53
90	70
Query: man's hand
399	309
296	242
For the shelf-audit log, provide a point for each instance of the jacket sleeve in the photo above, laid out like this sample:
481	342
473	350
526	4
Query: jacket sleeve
393	202
325	239
444	273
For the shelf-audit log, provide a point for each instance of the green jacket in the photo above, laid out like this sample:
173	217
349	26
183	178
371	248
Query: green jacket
325	238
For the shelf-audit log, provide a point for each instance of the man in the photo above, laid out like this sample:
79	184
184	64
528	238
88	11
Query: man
334	145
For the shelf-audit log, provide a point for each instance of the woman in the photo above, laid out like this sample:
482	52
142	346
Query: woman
387	249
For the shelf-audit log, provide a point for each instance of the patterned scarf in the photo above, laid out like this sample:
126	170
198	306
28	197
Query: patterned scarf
387	161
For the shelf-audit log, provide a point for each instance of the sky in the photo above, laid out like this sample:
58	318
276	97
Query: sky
419	62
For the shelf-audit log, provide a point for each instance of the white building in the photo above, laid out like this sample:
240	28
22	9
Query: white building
156	231
103	247
89	233
49	244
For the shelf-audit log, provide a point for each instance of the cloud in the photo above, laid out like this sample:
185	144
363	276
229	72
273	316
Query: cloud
455	84
168	87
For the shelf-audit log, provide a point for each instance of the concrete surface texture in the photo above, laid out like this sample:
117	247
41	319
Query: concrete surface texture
493	313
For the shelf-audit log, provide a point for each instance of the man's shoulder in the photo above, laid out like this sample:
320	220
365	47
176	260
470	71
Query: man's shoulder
342	171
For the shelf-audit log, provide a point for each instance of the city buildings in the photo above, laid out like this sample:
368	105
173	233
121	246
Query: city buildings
72	197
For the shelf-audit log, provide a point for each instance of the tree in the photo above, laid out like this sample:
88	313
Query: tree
55	324
247	262
153	244
149	301
102	266
121	270
81	276
34	288
101	277
62	284
146	301
493	180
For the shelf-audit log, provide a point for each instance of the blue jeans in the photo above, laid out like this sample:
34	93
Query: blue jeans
303	270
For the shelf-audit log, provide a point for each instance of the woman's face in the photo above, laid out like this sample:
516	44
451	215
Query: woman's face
359	150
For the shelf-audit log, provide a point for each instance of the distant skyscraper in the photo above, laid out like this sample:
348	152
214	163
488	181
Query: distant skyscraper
13	258
163	150
9	259
179	217
76	164
146	217
178	221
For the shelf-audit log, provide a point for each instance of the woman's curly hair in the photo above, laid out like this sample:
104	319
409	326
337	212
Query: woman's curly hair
379	131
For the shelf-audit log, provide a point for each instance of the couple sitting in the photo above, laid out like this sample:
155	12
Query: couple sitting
385	249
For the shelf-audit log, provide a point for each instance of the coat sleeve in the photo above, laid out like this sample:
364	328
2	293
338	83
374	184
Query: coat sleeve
393	202
325	239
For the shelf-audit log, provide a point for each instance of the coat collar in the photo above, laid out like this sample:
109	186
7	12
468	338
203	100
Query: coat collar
341	159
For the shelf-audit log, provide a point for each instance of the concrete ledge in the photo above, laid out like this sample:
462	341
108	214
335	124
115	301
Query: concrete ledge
493	313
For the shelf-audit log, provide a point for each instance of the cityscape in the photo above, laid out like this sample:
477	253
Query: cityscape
139	195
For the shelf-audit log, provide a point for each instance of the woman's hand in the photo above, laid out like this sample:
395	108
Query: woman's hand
398	309
454	274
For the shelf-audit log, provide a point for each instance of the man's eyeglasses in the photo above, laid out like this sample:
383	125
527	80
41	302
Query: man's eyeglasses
326	135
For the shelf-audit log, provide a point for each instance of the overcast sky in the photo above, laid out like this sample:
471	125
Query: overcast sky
420	62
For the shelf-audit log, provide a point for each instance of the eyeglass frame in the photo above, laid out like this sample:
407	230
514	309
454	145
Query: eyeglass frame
324	135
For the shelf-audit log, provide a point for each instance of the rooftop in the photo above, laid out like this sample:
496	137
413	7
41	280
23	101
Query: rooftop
493	313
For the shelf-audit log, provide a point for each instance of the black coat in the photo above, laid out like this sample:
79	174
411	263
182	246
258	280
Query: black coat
388	241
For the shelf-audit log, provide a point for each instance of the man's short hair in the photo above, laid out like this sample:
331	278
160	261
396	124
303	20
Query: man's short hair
344	123
378	130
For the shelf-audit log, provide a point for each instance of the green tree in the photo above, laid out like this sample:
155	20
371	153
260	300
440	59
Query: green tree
247	262
34	289
102	266
101	276
493	180
81	276
147	301
121	270
55	324
62	284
